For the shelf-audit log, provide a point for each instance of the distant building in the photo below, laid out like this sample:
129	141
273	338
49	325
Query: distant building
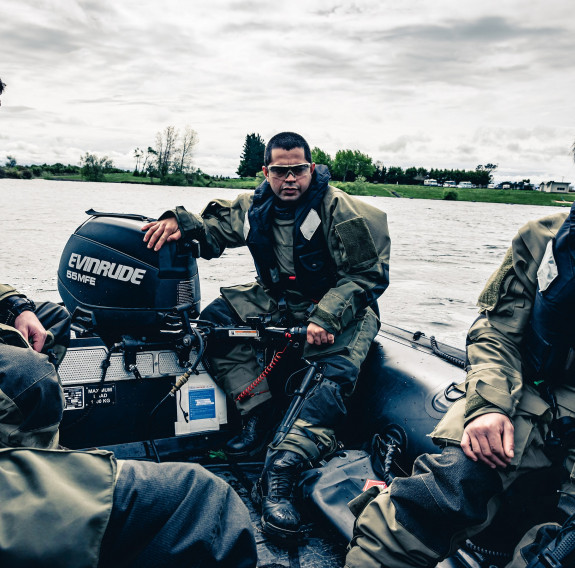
554	186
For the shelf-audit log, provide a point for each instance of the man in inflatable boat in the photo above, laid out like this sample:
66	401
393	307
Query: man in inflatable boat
517	417
322	261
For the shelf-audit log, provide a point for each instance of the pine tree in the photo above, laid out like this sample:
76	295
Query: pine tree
252	158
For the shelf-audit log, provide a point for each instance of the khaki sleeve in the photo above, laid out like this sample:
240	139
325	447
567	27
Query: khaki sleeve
494	376
220	225
358	239
6	291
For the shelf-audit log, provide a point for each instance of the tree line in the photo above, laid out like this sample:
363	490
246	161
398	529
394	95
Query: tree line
352	165
171	158
170	161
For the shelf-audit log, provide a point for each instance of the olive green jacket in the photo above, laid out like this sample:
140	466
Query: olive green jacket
9	334
361	259
6	291
55	504
494	380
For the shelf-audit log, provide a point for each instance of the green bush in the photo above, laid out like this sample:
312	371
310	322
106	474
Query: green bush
36	171
197	179
13	173
358	187
175	179
26	174
93	167
450	194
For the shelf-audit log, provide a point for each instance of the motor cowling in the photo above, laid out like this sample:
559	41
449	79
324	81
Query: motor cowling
107	274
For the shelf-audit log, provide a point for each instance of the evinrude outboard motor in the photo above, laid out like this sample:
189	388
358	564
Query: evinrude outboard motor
112	282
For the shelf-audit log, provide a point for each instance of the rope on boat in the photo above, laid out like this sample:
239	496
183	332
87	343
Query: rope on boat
446	356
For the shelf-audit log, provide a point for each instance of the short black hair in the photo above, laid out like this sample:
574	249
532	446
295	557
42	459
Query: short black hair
286	141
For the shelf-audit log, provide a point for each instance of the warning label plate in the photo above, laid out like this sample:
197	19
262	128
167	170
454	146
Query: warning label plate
79	397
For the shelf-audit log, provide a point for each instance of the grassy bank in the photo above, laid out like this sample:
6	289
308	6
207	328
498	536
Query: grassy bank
383	190
479	194
124	177
423	192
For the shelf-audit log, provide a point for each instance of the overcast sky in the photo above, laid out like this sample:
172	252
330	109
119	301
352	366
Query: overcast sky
442	83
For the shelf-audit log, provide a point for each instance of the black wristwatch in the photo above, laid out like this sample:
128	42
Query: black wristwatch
13	306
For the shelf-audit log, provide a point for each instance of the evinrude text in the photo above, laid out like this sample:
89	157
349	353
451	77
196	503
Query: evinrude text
100	267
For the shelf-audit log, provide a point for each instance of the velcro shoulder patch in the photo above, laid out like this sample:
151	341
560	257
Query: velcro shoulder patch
490	294
357	241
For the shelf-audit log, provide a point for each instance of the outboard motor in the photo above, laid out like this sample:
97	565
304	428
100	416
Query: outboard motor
110	281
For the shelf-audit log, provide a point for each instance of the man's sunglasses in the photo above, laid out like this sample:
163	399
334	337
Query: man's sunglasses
282	172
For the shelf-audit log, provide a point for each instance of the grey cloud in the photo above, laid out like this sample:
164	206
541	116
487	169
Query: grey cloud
440	51
466	149
536	134
452	52
398	145
326	13
321	63
544	152
348	9
37	39
249	7
513	147
17	109
341	70
488	29
115	101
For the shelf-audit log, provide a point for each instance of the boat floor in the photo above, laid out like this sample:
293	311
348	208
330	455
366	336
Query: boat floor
320	548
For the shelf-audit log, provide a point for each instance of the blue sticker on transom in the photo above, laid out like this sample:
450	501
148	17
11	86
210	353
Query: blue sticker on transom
202	403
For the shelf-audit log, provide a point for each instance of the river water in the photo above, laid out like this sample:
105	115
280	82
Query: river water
442	251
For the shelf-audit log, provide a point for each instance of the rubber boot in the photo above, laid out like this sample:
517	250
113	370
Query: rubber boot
559	552
274	492
255	432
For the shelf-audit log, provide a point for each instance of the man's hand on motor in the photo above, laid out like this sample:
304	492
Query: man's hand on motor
30	327
489	438
160	232
317	335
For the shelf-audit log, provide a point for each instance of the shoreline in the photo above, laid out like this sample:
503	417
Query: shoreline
482	195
